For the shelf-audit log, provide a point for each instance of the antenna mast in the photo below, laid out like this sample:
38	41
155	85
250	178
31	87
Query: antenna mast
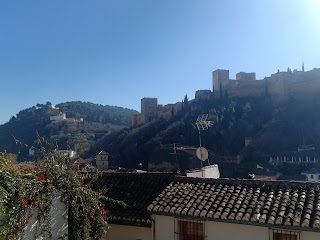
202	125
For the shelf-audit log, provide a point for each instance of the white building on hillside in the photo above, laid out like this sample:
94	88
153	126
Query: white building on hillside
60	117
66	153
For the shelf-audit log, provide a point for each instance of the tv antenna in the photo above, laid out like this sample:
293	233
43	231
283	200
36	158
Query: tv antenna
202	125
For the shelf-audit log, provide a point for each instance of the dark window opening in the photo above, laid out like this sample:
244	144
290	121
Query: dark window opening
277	234
190	230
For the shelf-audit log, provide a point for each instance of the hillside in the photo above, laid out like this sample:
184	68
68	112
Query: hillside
30	123
97	113
274	128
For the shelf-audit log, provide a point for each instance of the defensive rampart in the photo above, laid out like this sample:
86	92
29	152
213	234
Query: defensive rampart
278	86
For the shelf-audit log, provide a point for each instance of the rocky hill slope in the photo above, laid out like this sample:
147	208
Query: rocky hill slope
274	128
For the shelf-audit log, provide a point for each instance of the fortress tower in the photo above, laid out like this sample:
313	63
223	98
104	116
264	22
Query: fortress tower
149	108
220	79
102	160
149	112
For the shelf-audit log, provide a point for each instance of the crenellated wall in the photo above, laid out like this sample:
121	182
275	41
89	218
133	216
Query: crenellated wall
203	95
278	86
246	76
166	111
242	88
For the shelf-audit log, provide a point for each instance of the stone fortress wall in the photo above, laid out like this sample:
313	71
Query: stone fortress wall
203	95
279	86
150	110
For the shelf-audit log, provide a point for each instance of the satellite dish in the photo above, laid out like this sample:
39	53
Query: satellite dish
202	153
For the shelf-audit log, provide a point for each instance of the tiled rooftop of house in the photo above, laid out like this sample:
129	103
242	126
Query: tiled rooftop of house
268	203
136	190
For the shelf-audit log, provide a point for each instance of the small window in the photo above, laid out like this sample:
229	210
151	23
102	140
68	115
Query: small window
319	176
278	234
190	230
311	176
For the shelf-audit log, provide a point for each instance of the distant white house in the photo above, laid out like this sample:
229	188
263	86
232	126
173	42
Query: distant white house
33	151
66	153
59	117
306	148
211	171
313	175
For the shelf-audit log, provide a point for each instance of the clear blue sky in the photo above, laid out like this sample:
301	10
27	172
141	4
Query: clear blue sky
116	52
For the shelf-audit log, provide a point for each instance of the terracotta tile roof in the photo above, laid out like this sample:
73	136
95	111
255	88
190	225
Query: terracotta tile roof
269	203
136	190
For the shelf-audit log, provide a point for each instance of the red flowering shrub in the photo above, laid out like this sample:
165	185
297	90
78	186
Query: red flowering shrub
35	189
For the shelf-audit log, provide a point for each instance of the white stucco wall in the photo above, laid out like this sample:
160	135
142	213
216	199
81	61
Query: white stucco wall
164	227
123	232
59	117
59	222
313	177
310	236
164	230
227	231
211	171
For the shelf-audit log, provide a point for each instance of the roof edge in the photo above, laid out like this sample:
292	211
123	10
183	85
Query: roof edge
238	222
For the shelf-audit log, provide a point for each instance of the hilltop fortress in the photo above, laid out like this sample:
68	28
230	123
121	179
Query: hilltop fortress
150	110
279	86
